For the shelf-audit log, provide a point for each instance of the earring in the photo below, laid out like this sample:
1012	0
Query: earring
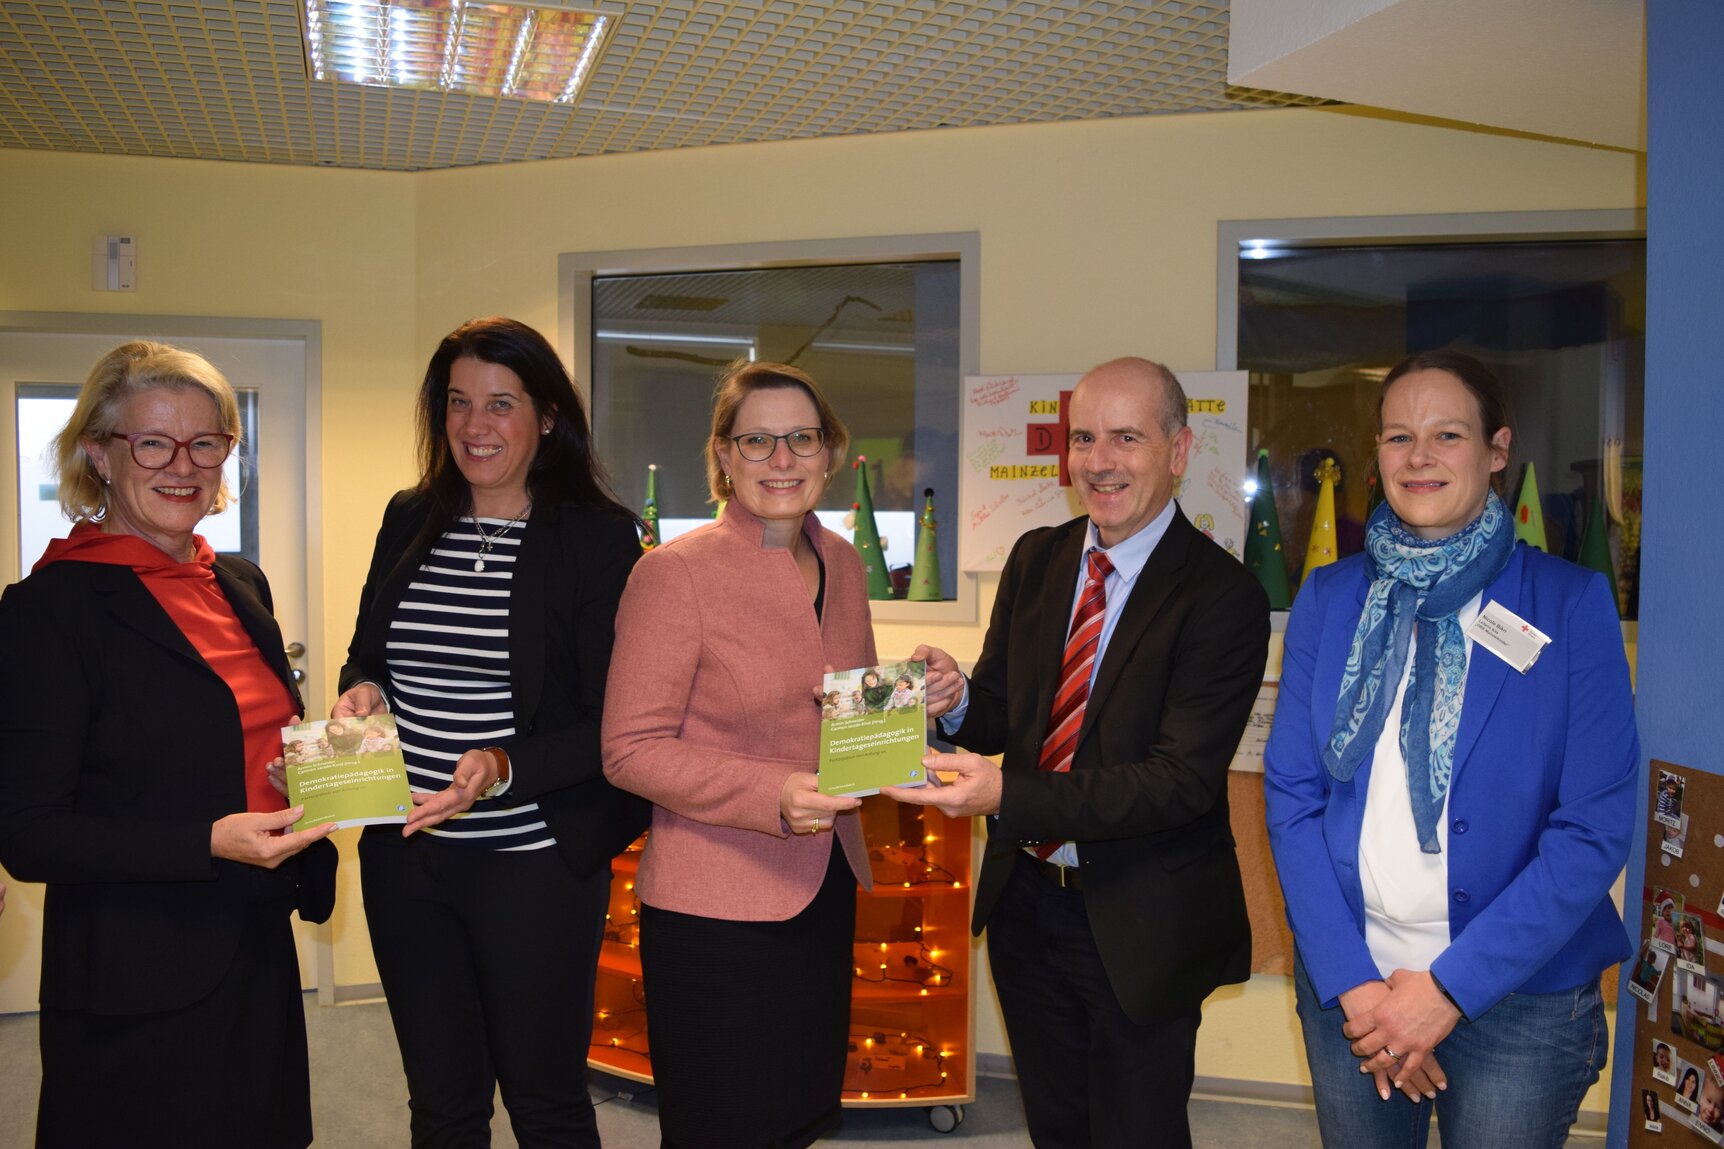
727	478
543	431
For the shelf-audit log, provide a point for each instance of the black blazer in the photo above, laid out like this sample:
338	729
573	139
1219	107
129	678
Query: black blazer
119	746
568	577
1146	798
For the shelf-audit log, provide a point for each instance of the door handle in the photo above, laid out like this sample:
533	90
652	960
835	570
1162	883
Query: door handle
295	650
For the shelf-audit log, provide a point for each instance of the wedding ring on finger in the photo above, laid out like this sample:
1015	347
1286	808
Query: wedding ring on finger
1393	1056
816	829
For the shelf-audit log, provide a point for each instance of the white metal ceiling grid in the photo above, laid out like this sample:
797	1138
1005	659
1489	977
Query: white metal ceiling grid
225	79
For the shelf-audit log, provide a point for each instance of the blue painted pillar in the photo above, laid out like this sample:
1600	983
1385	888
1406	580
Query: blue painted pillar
1680	687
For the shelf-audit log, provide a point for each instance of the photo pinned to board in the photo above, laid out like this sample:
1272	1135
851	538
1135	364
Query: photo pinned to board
1710	1114
1672	788
1648	972
1649	1106
1694	1010
1666	904
1690	944
1675	837
1687	1086
1663	1062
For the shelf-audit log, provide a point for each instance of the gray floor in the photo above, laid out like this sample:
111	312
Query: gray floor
359	1100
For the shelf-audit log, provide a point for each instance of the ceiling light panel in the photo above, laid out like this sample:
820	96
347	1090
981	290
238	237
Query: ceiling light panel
484	49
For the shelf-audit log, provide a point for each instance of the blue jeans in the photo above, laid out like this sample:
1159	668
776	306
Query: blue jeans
1517	1075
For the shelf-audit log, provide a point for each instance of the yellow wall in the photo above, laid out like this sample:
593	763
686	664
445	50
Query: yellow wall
253	241
1097	239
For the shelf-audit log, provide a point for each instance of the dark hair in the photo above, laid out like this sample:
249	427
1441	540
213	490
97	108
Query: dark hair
1485	388
564	470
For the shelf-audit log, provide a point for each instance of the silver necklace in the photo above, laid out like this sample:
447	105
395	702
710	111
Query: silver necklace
486	542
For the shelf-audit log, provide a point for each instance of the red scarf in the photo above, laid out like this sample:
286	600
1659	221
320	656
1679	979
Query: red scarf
188	591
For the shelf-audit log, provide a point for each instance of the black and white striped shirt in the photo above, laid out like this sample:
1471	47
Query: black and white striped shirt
448	652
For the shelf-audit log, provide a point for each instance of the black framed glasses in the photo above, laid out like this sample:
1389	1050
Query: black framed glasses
154	451
757	446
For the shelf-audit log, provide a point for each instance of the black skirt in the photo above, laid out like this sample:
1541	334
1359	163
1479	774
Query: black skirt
748	1021
227	1070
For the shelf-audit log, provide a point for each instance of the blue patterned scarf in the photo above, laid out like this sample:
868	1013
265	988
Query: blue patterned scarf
1415	583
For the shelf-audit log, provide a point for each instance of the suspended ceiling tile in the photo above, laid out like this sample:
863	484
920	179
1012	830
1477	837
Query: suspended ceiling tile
226	79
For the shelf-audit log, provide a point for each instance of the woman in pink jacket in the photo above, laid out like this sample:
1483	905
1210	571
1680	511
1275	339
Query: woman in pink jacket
748	883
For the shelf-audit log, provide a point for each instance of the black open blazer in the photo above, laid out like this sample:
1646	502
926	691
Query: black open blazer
119	747
568	577
1146	797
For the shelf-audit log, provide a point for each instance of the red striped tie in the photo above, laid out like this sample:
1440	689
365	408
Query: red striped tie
1073	691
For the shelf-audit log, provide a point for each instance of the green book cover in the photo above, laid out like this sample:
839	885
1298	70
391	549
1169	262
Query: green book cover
346	770
873	728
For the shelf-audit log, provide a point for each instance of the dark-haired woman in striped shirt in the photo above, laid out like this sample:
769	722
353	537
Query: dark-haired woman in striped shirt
485	625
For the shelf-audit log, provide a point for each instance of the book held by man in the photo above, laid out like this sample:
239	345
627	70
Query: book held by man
873	728
346	770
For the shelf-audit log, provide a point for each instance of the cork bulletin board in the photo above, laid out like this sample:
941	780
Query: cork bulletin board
1271	940
1677	973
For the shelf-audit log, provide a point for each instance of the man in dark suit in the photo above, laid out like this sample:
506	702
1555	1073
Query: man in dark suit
1119	668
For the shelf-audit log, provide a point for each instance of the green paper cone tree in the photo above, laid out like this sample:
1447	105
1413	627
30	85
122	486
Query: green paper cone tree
925	575
649	513
1263	555
867	535
1529	512
1595	548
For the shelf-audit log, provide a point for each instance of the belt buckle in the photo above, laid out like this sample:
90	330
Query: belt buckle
1063	869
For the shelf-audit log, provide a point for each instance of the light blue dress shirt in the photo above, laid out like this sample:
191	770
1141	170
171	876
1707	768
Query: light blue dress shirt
1128	557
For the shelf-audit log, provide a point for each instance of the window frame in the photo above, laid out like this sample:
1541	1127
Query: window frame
1233	236
576	271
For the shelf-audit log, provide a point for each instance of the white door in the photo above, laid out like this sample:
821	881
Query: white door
33	364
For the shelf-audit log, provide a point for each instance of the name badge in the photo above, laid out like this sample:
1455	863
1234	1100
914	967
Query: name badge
1508	636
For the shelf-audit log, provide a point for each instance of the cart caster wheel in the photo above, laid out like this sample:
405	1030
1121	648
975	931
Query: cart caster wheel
945	1118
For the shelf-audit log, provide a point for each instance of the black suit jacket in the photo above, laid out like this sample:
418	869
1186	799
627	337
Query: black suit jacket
1146	798
568	578
119	746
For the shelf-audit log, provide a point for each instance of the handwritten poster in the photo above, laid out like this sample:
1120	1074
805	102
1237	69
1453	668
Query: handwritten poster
1012	471
1255	740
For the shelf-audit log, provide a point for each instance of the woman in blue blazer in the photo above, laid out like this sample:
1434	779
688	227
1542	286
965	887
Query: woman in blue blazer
1446	819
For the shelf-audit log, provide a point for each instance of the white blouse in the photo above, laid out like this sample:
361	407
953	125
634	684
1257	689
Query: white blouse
1406	890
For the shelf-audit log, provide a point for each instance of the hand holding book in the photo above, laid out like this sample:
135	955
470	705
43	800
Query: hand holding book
944	682
806	810
961	785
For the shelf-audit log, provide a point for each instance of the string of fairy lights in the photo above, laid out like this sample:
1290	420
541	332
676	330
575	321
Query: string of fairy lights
879	1065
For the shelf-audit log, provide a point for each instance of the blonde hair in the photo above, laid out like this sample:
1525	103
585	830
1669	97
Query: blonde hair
742	379
131	369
